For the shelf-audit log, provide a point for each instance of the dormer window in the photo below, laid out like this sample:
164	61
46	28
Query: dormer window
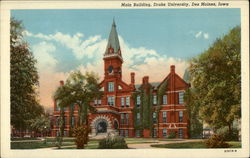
110	86
111	50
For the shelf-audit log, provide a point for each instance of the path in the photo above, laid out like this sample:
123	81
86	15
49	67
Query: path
148	145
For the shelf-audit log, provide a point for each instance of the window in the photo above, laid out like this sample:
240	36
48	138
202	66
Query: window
137	133
154	132
57	121
121	132
154	99
164	116
111	100
57	133
180	116
138	118
126	133
65	120
127	118
73	121
164	99
154	117
95	101
99	101
57	105
180	133
72	107
181	97
127	101
64	133
164	132
122	118
138	100
111	86
122	101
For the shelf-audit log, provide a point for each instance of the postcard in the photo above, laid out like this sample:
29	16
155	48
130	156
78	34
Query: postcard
125	79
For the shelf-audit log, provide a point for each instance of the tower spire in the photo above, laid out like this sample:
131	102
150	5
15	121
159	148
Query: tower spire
113	46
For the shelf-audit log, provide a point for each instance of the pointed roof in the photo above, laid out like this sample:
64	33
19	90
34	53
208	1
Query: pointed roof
113	46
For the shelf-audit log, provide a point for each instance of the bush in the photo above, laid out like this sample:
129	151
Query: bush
216	141
172	134
113	142
81	134
234	136
58	142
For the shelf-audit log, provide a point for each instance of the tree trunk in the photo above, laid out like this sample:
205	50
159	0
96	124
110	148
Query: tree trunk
229	129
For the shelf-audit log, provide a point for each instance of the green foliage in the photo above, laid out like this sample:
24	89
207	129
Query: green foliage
229	136
216	78
80	89
113	142
161	91
172	134
216	141
195	127
40	124
81	134
23	79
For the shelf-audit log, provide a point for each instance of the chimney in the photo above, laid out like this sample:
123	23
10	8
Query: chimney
132	75
61	83
172	67
145	80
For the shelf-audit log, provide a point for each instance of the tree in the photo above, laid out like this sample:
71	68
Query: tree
195	122
81	90
216	77
40	124
23	79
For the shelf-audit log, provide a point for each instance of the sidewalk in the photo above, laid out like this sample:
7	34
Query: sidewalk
148	145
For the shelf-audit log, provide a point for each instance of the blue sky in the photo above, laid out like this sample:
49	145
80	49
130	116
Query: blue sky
151	39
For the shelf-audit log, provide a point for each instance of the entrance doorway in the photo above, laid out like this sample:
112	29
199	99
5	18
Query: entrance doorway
102	127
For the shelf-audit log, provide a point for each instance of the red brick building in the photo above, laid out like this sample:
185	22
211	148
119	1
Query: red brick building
122	108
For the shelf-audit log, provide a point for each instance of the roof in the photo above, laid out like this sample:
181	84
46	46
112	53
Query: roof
113	41
154	84
186	76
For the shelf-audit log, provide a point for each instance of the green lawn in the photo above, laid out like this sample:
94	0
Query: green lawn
192	145
17	139
68	143
50	142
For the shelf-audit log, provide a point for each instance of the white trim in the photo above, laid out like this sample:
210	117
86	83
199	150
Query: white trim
174	123
171	128
174	110
172	105
176	91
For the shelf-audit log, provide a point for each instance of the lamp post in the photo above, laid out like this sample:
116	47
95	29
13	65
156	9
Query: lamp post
45	134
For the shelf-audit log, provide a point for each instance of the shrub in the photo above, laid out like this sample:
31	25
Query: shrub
216	141
172	134
81	134
234	136
113	142
58	142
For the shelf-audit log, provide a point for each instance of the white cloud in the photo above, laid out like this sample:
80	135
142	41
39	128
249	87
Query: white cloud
140	60
80	48
46	62
198	34
201	34
206	35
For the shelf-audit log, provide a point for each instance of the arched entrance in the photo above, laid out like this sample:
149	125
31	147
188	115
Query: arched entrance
101	126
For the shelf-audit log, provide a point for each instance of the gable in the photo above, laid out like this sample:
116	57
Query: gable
179	82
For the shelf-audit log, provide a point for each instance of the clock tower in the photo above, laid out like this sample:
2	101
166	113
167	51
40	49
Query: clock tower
113	57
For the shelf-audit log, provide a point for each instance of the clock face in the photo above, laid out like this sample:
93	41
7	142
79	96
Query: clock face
110	69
